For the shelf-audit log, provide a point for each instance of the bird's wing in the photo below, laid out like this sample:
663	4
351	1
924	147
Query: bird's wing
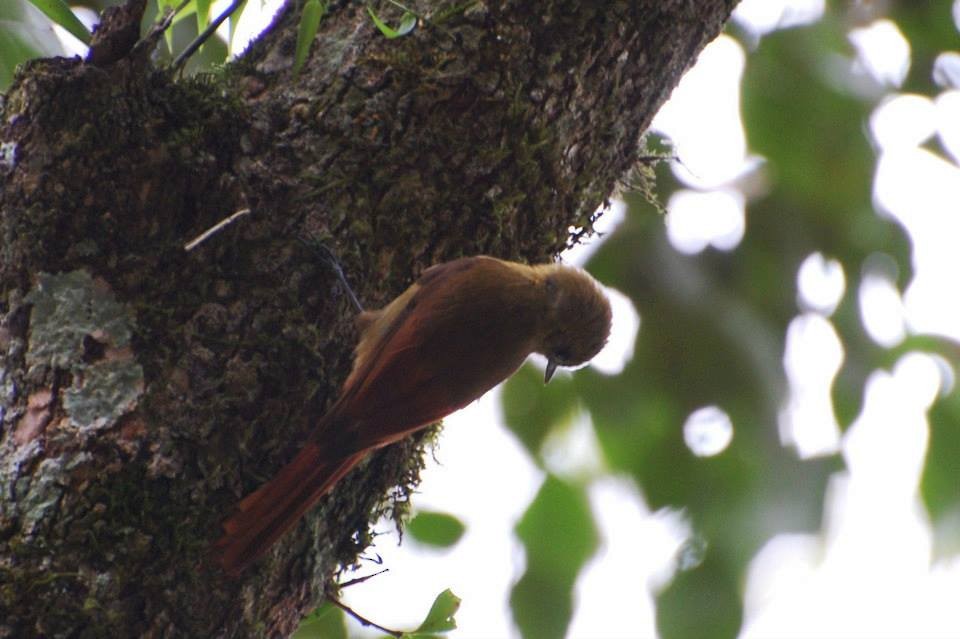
392	389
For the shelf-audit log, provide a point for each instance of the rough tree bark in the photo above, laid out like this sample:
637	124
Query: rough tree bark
146	388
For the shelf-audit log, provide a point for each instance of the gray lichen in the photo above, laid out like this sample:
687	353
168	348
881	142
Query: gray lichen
8	156
108	391
68	310
68	307
40	504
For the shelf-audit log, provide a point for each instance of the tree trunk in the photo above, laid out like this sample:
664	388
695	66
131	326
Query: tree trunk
146	387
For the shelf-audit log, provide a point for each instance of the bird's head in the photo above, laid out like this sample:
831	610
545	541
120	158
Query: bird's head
577	318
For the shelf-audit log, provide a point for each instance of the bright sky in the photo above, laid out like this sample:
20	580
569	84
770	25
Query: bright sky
870	572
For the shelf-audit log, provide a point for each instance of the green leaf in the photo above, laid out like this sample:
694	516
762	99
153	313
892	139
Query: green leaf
441	615
60	13
436	529
701	602
930	31
24	34
326	622
185	12
203	14
558	536
940	482
407	23
313	12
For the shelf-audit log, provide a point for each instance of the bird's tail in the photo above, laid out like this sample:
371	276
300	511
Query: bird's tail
265	514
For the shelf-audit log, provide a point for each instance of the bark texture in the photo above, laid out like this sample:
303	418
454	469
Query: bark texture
146	388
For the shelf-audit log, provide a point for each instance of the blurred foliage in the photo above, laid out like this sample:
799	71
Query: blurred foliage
435	529
940	484
703	598
558	537
326	622
713	329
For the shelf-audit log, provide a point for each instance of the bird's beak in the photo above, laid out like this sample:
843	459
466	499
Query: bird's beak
551	367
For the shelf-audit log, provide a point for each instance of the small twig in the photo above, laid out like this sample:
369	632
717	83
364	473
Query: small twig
203	37
652	159
150	39
360	580
164	24
216	228
363	620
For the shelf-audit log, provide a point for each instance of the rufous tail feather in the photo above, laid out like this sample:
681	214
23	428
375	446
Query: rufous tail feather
265	514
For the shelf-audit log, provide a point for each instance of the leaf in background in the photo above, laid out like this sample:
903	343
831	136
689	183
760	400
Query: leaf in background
930	30
185	12
558	536
701	602
313	12
203	14
531	409
713	334
236	19
407	23
441	615
24	34
326	622
184	31
940	483
821	168
60	13
435	529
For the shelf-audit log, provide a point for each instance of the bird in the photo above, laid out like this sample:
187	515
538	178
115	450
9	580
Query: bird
460	329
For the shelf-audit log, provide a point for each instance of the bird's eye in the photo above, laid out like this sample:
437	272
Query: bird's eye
562	355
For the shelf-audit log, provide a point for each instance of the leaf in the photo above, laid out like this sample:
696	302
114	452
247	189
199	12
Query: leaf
441	615
24	34
940	482
701	602
203	14
436	529
407	23
186	11
326	622
929	35
558	536
313	12
60	13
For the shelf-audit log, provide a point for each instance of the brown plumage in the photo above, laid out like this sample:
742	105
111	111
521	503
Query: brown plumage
457	332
